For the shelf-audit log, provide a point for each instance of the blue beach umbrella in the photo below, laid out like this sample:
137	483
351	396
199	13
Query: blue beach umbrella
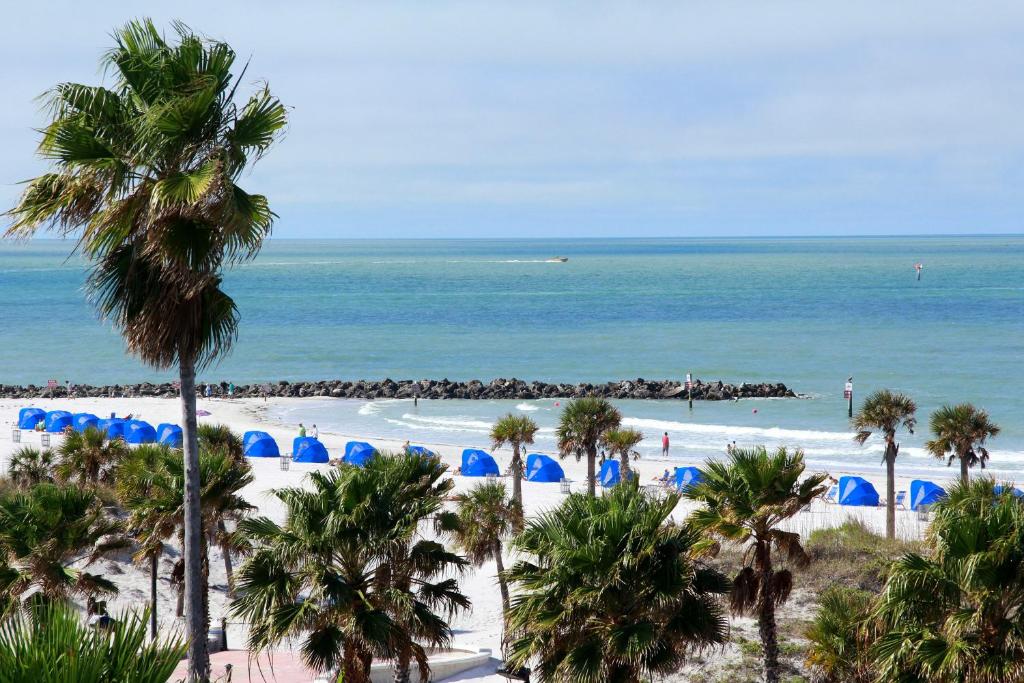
358	453
82	421
308	449
543	469
609	474
857	491
260	445
28	418
925	493
169	435
687	477
477	463
139	431
57	421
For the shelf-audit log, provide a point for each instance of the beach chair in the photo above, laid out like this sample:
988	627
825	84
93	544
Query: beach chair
830	497
901	500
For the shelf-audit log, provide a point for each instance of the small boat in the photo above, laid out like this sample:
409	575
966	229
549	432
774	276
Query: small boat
558	259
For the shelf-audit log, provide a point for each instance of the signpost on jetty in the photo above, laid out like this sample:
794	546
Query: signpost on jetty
848	395
689	389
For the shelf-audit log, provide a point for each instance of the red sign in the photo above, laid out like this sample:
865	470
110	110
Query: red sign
51	383
848	391
689	381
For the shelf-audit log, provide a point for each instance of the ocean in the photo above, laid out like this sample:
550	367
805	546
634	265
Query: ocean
805	311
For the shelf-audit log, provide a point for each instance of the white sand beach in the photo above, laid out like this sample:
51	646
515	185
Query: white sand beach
481	628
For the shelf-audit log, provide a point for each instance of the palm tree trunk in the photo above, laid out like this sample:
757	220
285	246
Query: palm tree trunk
890	489
624	466
766	618
229	569
591	471
195	631
402	659
517	476
154	564
502	585
964	476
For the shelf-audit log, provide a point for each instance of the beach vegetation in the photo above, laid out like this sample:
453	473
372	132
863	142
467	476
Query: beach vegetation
841	635
746	499
29	466
514	431
959	433
145	178
220	437
582	425
88	457
609	589
885	412
621	444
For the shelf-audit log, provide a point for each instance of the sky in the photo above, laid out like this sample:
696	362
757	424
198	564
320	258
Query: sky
593	119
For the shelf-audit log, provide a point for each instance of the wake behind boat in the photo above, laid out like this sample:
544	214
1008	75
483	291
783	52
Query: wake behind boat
557	259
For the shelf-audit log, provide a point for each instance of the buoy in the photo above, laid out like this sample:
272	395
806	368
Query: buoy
754	411
557	404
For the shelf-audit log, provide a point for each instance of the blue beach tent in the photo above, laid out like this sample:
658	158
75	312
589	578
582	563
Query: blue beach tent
139	431
82	421
857	491
687	477
358	453
260	445
542	469
308	449
113	428
169	435
421	451
477	463
925	493
58	421
609	474
28	418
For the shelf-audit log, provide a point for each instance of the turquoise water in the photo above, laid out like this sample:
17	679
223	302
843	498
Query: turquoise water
807	312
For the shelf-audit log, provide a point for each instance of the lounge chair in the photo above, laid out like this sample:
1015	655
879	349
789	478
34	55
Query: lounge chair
830	497
901	500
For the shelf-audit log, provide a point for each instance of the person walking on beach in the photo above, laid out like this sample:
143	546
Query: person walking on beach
664	445
314	432
302	431
209	391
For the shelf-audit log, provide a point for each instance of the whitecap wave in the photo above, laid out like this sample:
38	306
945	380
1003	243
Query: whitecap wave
526	407
735	431
457	422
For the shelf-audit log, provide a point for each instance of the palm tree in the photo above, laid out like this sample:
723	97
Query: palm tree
46	529
960	432
886	411
584	422
841	636
612	590
53	645
487	519
145	177
623	443
746	500
515	431
30	466
954	612
88	457
219	437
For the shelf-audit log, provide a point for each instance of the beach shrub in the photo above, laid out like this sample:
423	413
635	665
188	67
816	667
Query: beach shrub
220	437
841	636
89	457
29	466
852	555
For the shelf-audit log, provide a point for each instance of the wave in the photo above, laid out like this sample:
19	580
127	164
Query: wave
526	407
454	422
733	431
375	406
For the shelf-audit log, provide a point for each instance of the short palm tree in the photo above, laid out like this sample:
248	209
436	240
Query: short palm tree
841	635
611	590
89	457
959	433
886	411
145	177
623	443
955	613
45	530
51	644
488	518
219	437
746	499
30	466
515	431
583	423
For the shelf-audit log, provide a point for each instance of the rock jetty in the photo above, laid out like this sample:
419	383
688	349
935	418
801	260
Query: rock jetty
500	388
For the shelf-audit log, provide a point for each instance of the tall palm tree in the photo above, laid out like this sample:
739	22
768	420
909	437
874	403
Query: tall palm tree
954	612
747	498
313	577
623	443
30	466
960	433
611	590
886	411
53	645
515	431
145	177
89	457
487	519
583	423
46	529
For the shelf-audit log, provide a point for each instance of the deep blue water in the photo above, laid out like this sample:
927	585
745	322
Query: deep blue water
808	312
